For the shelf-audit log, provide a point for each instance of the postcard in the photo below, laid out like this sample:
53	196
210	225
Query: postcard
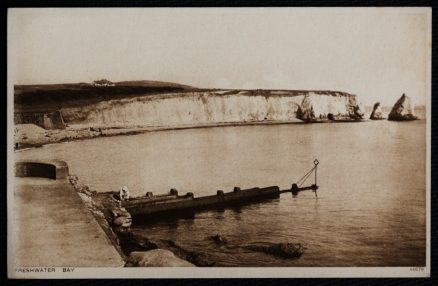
219	142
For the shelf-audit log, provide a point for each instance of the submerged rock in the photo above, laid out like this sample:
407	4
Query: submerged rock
195	257
218	239
377	113
156	258
285	250
403	110
130	242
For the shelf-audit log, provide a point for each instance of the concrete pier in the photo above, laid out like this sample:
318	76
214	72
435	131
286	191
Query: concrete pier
53	227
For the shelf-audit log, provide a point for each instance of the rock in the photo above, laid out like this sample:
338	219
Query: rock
30	133
218	239
377	114
130	242
285	250
200	259
339	107
86	199
80	188
403	110
156	258
121	218
123	221
195	257
84	189
73	179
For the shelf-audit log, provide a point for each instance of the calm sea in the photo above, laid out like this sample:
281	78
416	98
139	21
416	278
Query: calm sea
370	209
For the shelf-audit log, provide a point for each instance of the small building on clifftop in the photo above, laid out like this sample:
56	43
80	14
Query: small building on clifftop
103	82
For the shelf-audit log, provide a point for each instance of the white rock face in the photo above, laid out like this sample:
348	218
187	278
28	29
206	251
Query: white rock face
403	110
198	108
337	106
377	113
156	258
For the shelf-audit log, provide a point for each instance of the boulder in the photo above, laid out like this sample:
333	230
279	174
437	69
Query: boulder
284	250
156	258
121	218
403	110
377	113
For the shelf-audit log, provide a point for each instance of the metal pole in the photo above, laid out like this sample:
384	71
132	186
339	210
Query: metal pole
316	162
316	171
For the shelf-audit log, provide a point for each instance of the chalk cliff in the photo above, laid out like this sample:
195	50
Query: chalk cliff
218	106
336	106
46	120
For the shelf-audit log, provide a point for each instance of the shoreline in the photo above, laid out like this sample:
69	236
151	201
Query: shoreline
31	139
25	139
135	250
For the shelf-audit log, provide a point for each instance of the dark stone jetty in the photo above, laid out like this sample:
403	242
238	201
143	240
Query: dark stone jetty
173	203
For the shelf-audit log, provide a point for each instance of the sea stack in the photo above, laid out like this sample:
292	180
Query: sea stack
377	114
403	110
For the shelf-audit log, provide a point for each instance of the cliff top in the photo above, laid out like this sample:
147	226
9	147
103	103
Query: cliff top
54	96
49	97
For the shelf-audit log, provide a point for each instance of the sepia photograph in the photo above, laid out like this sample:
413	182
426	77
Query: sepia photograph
218	142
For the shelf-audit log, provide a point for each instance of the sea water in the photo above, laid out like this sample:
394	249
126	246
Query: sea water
369	210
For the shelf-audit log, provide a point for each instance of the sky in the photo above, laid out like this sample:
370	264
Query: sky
376	53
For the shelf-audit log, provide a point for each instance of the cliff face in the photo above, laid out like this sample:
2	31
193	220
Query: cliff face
210	107
46	120
330	106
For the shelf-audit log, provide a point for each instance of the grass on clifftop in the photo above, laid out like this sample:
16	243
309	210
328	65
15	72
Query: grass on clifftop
48	97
